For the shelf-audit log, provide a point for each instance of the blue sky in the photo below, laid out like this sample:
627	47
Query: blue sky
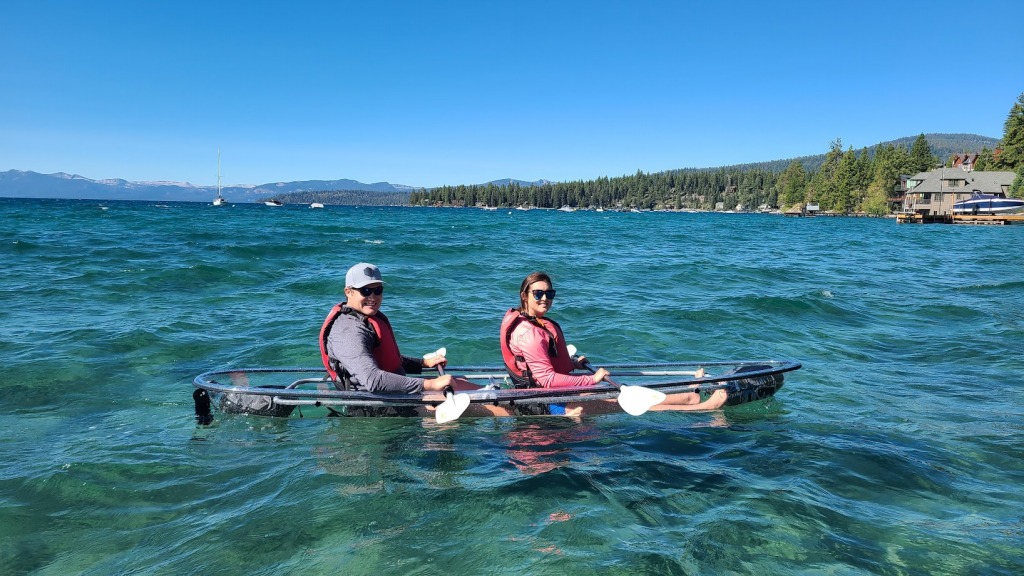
432	93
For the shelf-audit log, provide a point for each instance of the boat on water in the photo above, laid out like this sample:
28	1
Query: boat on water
279	391
272	202
982	203
219	200
316	205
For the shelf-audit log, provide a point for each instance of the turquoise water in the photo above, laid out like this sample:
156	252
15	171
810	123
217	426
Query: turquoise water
897	449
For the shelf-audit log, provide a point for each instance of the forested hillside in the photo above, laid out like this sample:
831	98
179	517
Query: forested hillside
839	180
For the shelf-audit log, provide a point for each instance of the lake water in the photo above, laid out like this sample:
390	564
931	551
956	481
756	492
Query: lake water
896	449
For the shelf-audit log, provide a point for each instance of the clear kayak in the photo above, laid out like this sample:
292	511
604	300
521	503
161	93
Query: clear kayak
279	391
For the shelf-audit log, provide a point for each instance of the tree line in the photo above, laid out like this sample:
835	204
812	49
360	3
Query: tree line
346	198
845	181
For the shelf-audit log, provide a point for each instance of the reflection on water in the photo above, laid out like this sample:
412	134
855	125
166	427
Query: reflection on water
535	448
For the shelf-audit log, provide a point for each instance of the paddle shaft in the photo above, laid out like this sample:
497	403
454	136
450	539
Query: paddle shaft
588	366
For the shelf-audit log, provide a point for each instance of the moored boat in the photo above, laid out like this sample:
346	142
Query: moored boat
279	391
219	200
982	203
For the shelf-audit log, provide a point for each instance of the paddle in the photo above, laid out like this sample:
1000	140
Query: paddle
635	400
455	404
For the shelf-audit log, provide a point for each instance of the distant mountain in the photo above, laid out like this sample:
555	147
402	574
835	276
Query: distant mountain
350	197
27	184
943	146
510	181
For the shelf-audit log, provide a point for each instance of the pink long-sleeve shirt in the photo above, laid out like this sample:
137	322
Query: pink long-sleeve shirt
531	342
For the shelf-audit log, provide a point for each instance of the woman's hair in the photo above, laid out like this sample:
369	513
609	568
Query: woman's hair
533	277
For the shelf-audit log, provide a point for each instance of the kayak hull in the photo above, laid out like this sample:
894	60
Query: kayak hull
277	392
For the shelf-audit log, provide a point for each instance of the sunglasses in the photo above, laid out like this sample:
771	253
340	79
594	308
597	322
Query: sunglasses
538	294
367	291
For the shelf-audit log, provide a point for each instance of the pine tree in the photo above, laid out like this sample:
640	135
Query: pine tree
985	159
824	187
921	155
1012	154
1017	188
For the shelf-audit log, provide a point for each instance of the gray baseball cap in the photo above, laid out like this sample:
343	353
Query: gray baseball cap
362	274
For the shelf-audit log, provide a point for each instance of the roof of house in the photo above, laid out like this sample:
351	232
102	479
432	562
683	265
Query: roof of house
985	181
969	158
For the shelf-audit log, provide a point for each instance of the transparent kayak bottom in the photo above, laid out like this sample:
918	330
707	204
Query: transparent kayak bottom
278	392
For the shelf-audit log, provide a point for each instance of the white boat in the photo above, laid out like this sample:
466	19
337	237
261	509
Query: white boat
566	208
316	205
219	200
981	203
272	202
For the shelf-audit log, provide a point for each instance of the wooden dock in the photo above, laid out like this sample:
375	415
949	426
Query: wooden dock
908	218
978	220
989	219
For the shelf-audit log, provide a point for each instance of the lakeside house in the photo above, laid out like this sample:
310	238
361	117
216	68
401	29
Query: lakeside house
899	194
965	161
932	194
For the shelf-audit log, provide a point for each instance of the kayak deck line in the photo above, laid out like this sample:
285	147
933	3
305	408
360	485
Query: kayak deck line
243	390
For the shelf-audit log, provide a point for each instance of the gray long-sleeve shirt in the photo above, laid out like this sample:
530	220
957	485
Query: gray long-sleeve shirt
350	342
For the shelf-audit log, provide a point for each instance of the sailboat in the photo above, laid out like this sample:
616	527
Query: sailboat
219	200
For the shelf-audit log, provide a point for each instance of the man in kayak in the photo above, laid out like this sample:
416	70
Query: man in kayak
359	346
536	354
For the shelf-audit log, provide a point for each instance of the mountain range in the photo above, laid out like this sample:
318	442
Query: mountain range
27	184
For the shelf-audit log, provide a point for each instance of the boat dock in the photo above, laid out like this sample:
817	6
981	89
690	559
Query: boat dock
989	219
975	219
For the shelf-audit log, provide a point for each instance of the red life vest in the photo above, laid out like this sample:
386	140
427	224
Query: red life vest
385	347
516	365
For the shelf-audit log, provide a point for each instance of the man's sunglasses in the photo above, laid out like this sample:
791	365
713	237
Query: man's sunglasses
538	294
365	291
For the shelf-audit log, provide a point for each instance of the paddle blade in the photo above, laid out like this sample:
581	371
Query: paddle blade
636	400
452	408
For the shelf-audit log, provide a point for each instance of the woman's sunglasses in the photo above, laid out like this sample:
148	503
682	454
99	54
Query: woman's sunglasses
367	291
538	294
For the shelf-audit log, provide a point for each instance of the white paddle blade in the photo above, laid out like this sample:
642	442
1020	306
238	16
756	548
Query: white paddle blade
572	349
440	352
636	400
451	408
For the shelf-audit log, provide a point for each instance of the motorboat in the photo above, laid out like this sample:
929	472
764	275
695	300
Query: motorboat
272	202
279	391
316	205
984	203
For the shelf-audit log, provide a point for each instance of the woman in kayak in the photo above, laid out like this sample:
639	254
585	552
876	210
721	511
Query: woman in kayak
536	354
